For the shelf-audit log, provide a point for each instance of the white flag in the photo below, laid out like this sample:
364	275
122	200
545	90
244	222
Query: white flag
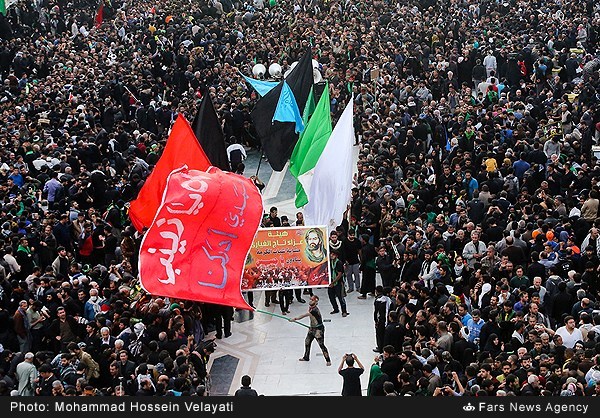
331	185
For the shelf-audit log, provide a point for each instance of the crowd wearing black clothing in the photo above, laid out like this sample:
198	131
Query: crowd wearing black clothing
476	198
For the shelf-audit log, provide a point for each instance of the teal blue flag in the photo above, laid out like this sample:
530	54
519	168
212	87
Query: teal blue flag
262	87
287	108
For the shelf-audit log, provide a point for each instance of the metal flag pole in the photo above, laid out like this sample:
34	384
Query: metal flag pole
260	157
289	319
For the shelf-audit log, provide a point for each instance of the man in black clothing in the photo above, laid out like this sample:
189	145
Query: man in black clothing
352	249
276	221
47	378
391	364
476	208
336	290
200	358
223	317
490	327
351	375
535	268
245	389
411	267
367	266
380	314
394	332
384	263
110	245
126	369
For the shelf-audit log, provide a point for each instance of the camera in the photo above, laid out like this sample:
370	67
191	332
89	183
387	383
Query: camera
348	355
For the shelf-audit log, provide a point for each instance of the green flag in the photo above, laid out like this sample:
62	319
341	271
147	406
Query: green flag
5	4
309	108
310	146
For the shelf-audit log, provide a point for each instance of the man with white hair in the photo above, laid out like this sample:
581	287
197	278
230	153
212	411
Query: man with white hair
26	374
532	388
537	287
105	338
593	239
119	345
92	305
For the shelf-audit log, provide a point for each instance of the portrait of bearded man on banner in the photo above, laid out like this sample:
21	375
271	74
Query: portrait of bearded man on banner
315	245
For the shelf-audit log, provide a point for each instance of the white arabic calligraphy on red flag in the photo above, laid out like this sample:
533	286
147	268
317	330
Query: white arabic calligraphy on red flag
197	244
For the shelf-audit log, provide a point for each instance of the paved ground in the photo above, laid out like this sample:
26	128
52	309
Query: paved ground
267	347
280	186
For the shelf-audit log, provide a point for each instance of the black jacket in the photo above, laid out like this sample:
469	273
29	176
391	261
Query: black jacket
246	391
394	335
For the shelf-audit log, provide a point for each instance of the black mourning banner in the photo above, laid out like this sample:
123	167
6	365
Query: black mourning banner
313	406
278	139
207	128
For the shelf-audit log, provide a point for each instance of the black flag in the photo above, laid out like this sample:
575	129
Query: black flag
278	139
207	128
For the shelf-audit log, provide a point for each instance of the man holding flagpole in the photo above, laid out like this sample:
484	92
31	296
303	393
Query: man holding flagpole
316	331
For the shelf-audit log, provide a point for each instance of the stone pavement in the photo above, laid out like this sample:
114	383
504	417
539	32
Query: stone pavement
267	347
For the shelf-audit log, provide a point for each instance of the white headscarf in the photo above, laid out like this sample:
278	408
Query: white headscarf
484	289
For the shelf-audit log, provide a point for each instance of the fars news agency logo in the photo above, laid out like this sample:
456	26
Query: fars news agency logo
468	407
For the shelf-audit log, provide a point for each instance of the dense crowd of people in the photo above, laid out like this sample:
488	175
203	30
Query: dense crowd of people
475	201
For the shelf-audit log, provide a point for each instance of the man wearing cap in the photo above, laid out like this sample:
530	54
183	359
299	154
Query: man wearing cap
26	374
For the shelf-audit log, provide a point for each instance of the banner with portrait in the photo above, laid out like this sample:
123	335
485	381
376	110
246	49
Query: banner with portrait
291	257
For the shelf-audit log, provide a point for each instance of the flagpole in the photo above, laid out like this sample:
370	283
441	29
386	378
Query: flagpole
132	95
289	319
260	157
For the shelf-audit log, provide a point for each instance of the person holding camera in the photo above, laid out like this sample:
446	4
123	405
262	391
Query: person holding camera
351	375
448	390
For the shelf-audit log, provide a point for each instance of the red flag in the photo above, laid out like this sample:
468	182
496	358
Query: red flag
99	15
197	245
153	10
182	148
